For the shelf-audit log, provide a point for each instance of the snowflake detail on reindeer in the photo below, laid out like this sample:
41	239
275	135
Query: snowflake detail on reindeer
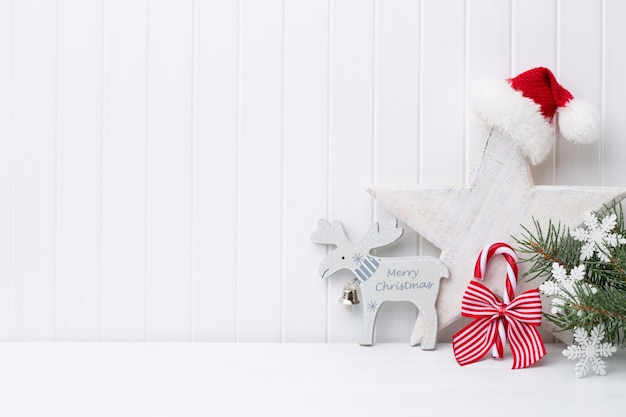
372	306
358	259
415	279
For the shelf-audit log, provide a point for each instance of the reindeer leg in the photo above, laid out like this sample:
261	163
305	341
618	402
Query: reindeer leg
430	329
418	329
370	311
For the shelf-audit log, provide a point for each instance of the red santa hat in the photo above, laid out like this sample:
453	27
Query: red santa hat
525	107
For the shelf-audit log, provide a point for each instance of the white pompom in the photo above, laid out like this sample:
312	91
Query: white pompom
579	121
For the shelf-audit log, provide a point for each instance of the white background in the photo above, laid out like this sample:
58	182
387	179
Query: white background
163	163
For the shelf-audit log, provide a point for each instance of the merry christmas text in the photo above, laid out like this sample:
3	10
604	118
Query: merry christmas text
403	286
400	273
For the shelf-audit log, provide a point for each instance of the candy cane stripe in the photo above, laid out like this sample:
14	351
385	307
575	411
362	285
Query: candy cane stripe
495	320
511	265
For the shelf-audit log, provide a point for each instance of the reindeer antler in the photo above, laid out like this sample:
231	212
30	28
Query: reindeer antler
329	234
377	239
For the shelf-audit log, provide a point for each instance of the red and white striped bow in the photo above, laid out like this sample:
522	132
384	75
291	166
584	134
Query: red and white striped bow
517	319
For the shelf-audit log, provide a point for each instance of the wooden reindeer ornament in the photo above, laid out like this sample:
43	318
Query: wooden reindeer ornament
381	279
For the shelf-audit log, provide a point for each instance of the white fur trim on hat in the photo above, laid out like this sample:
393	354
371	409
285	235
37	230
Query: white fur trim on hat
505	109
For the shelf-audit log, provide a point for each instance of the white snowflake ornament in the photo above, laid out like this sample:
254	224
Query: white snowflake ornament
562	286
589	351
598	236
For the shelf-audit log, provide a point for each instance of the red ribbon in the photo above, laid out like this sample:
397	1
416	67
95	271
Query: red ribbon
520	318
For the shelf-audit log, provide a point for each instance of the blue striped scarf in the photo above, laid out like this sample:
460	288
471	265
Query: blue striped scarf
368	267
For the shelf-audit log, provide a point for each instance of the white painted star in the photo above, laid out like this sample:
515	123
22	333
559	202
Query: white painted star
500	197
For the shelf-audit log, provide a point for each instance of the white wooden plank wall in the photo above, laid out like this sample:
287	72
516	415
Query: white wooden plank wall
164	162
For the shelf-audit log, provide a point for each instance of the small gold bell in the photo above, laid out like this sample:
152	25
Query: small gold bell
349	296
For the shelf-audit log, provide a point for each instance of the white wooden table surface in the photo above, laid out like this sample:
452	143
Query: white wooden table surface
196	379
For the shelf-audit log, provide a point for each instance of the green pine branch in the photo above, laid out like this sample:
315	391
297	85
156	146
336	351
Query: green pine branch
545	248
581	308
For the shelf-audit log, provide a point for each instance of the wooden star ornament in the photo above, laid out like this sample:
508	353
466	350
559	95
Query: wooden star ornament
500	198
522	114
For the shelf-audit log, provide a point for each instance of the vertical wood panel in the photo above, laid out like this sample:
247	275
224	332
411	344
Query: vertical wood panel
215	192
442	102
306	166
351	141
170	139
6	167
488	53
580	71
614	148
396	133
35	109
80	174
442	88
260	171
533	40
193	154
124	170
534	45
